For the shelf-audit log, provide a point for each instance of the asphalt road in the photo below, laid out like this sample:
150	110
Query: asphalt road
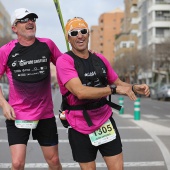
146	143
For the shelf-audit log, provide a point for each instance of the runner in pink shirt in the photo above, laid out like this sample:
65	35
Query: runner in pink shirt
85	80
26	62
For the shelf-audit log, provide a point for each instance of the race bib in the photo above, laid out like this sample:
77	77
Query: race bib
26	124
104	134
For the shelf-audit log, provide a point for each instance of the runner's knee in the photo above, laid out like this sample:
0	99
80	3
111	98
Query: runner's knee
18	165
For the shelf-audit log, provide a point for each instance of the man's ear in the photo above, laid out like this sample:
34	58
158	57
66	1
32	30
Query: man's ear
14	29
68	39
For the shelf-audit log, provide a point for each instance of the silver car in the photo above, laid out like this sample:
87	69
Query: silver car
5	90
163	92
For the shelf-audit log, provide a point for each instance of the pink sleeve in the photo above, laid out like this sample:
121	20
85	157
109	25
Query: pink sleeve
53	48
65	71
4	53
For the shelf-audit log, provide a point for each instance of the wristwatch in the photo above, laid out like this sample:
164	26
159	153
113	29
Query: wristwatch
133	89
113	88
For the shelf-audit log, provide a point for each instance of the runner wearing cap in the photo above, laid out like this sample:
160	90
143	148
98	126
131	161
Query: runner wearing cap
26	62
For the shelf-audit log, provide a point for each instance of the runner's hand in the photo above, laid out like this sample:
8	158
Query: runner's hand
126	90
8	111
142	89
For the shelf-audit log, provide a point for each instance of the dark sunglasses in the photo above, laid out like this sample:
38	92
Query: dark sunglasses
25	20
75	32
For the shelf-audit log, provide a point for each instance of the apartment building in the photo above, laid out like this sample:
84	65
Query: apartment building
126	42
154	30
154	22
5	25
102	37
94	38
5	30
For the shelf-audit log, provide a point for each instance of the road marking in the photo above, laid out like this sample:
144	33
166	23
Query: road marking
139	164
137	140
154	131
150	116
127	116
168	116
66	141
156	107
98	164
128	127
119	127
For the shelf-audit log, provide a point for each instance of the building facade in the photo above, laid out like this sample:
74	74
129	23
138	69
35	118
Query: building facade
127	41
103	35
5	26
5	30
154	35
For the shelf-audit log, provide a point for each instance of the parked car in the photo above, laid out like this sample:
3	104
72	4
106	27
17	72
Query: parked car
163	92
5	90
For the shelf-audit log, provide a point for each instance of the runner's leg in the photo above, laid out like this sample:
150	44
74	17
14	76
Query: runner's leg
88	165
52	157
114	162
18	154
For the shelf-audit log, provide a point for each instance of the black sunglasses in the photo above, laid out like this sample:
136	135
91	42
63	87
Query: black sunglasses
75	32
25	20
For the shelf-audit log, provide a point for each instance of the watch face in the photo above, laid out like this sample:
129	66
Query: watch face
113	88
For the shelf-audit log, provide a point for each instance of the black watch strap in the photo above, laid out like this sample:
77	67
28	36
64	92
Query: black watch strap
113	89
133	88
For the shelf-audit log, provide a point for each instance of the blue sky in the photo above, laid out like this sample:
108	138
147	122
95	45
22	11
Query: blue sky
48	24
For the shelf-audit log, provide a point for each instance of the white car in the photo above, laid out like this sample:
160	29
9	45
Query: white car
163	92
5	90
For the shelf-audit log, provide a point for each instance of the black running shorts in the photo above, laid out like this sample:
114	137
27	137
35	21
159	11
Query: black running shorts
45	133
83	151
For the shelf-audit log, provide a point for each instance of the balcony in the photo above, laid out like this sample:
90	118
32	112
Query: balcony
162	19
162	2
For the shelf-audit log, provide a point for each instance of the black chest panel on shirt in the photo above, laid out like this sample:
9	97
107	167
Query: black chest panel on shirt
92	71
30	63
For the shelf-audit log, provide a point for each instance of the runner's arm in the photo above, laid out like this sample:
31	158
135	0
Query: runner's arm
8	111
84	92
126	89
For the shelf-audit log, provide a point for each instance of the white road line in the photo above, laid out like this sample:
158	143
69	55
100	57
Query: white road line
156	107
66	141
128	127
98	164
168	116
127	116
119	127
150	116
137	140
155	131
140	164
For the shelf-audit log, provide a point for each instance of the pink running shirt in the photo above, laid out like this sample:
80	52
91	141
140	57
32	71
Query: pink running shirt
65	72
28	72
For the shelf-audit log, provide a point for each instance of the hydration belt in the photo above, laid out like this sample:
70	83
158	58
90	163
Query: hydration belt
91	106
